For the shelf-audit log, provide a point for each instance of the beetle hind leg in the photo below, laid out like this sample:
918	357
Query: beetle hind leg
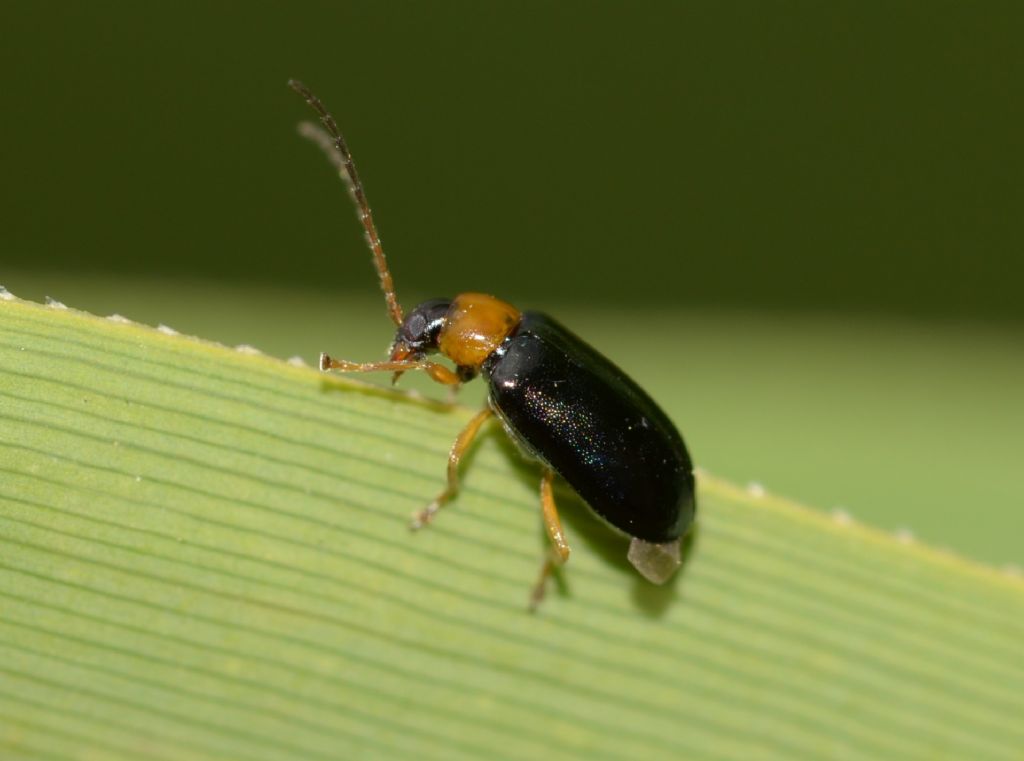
462	443
558	552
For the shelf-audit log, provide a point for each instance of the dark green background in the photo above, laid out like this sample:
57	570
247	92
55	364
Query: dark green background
840	155
799	224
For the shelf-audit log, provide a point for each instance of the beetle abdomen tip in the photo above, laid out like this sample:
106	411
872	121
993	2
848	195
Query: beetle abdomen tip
656	562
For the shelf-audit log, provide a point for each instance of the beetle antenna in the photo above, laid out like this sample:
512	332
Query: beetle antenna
333	144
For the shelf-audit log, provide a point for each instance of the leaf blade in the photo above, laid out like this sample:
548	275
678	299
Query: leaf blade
218	537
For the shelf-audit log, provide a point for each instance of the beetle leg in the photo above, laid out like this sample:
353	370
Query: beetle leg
442	374
558	552
462	442
437	372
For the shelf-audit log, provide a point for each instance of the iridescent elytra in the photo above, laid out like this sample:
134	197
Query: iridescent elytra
560	400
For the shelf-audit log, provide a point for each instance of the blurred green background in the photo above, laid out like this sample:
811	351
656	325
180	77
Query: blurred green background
799	224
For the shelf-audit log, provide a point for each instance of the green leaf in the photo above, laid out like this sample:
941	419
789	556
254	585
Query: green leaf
204	555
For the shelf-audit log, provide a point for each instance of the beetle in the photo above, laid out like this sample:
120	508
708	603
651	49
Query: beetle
560	400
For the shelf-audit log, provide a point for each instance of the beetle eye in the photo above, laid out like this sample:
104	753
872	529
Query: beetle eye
415	325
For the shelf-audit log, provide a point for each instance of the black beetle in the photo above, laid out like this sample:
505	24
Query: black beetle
559	399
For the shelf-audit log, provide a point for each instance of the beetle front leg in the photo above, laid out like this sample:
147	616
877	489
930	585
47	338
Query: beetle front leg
437	372
462	442
558	552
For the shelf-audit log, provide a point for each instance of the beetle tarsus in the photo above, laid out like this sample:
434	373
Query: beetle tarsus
540	588
425	516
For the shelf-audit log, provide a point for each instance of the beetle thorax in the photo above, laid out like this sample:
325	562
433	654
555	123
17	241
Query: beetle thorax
476	325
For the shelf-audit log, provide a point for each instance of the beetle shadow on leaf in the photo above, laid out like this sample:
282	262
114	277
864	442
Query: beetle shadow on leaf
589	533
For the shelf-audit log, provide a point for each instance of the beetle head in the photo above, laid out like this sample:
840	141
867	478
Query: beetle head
417	335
